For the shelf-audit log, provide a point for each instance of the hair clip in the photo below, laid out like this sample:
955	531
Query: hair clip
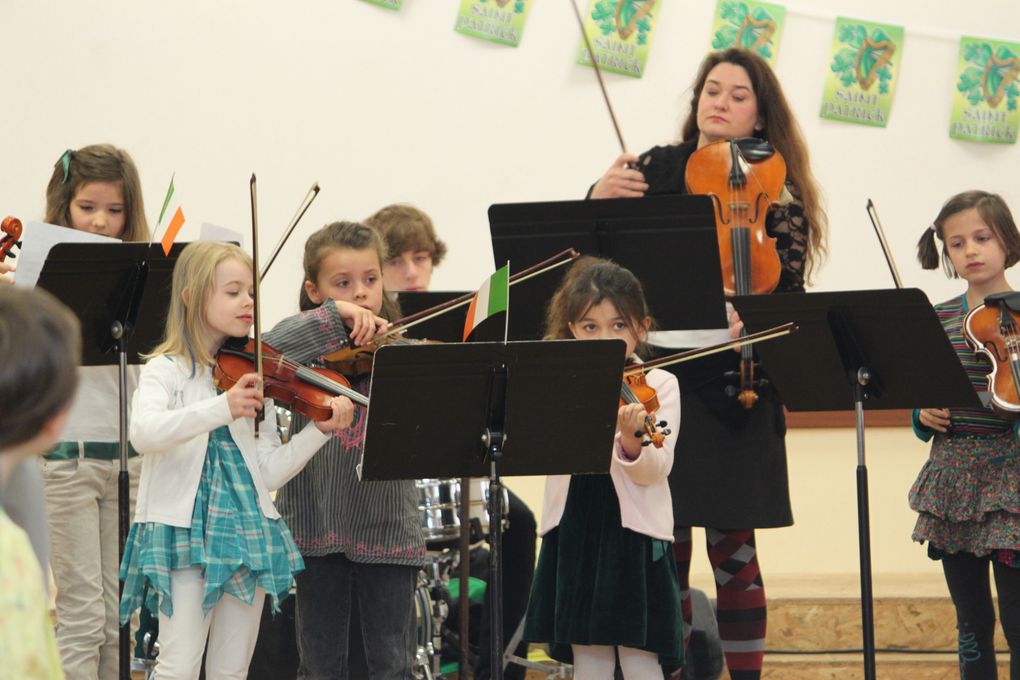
65	163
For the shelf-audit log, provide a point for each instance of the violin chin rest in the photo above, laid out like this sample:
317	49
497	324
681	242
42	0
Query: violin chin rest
754	149
1010	299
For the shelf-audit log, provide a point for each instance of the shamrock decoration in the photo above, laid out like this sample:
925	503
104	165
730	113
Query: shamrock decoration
745	28
866	59
624	17
992	76
518	4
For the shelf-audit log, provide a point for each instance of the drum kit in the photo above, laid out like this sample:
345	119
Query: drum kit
439	503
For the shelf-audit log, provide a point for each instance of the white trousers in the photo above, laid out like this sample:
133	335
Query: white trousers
232	628
81	502
598	662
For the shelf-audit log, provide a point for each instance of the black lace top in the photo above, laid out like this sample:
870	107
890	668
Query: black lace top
664	168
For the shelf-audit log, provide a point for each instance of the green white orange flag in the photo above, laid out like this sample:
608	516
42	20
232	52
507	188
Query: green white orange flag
491	299
176	222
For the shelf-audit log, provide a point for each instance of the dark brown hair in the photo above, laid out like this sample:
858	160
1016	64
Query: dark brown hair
993	211
781	130
40	349
336	235
404	228
97	163
589	282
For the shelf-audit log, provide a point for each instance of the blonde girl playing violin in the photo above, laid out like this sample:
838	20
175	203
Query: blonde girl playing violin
207	543
732	478
359	539
968	493
94	189
606	581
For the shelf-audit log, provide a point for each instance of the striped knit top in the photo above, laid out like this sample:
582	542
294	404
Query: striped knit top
965	421
328	509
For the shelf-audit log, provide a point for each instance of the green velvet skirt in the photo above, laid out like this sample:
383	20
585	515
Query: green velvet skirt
597	583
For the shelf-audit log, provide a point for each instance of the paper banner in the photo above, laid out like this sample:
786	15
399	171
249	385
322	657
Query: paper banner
986	92
621	33
499	21
388	4
862	72
755	26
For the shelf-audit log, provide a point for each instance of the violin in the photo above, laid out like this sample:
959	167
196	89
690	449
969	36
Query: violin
301	389
993	329
11	227
357	361
744	178
636	390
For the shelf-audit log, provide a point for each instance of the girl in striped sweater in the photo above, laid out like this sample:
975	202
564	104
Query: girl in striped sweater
968	493
358	539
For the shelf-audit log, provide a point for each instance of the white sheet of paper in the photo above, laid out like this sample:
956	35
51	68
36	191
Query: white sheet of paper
213	232
36	240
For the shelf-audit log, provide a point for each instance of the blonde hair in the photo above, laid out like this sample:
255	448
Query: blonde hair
404	228
97	163
186	325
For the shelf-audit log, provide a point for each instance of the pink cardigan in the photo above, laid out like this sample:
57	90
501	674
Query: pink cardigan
646	505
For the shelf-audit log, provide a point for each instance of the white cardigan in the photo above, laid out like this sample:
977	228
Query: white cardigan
646	505
171	418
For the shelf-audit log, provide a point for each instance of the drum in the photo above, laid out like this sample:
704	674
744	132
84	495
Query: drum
439	508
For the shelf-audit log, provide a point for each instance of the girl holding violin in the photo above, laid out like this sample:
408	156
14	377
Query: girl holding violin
732	478
602	532
359	539
95	189
207	544
967	495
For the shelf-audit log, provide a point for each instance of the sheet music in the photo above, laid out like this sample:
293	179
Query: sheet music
37	239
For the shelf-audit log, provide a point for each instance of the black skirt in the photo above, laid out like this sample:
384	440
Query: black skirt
729	471
597	583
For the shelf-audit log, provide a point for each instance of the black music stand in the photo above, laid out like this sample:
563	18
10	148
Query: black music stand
120	293
669	242
446	327
860	357
485	409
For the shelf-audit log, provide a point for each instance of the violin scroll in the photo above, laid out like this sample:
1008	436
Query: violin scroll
636	390
11	227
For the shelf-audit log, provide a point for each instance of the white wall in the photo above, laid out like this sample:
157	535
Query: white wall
380	107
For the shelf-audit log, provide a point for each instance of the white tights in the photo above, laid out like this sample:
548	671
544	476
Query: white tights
598	662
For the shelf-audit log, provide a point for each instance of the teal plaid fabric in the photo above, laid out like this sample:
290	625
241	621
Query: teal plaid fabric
235	545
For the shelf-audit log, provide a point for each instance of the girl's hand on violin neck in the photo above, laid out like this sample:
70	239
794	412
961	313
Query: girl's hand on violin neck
245	397
5	269
343	416
630	422
736	325
935	419
621	180
364	324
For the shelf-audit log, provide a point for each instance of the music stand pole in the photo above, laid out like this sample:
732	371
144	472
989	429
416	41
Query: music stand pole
864	529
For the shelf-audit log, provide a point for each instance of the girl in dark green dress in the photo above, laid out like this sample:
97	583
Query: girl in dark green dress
606	581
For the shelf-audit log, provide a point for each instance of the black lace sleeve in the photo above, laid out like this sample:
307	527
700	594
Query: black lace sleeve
788	225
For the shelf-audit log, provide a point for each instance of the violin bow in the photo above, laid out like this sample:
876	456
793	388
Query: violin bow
691	354
255	286
598	75
301	210
877	224
557	260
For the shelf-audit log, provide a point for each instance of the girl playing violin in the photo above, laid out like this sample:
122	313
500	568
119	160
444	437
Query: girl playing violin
603	531
95	189
207	543
359	539
968	493
732	477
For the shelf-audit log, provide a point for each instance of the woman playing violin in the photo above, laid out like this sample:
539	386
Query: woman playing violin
968	492
733	471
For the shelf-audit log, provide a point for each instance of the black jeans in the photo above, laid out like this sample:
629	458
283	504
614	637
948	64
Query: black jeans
969	587
385	595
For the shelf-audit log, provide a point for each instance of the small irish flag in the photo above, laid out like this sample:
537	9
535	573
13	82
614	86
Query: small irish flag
176	222
492	298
